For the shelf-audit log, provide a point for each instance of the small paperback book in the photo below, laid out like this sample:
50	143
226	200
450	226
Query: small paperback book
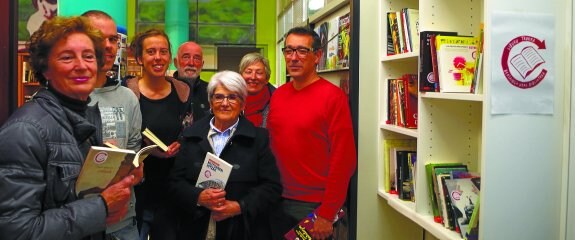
214	173
301	231
150	135
105	166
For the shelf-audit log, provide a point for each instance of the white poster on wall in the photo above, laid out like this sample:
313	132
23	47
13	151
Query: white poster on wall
523	68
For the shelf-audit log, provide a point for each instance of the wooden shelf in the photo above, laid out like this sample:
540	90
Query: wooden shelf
453	96
407	209
328	9
401	56
398	129
333	70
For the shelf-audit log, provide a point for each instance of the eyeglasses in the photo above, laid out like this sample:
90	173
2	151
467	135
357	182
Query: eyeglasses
302	52
232	98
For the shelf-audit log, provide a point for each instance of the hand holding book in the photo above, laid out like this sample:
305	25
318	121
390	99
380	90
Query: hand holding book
167	151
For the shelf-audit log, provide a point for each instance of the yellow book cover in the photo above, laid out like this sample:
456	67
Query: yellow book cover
456	56
105	166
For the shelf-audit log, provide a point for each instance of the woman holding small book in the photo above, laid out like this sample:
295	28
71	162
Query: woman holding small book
44	143
165	112
240	210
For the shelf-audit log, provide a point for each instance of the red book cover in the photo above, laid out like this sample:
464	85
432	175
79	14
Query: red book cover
301	230
410	96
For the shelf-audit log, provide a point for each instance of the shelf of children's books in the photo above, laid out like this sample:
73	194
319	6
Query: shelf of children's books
397	129
401	56
326	10
333	70
407	208
453	96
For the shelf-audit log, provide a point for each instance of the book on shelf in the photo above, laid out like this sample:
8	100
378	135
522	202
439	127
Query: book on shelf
152	137
456	57
398	167
389	39
321	31
332	43
389	144
444	202
302	229
426	77
343	40
464	195
404	30
392	22
473	227
430	173
479	63
410	96
403	174
413	28
401	37
214	173
105	166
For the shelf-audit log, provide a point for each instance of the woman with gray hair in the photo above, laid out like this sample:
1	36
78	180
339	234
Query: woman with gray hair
255	70
238	211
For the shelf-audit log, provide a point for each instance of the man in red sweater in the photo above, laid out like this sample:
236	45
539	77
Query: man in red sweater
311	138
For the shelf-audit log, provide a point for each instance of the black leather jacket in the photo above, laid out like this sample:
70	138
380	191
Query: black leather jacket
41	153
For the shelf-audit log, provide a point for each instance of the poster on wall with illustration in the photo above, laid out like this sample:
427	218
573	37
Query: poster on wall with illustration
31	14
523	66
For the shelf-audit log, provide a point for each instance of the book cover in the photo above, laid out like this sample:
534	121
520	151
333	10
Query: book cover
456	56
392	22
410	96
301	231
404	30
388	144
105	166
152	137
413	28
464	196
403	175
390	48
430	175
332	43
426	78
445	202
323	36
214	173
343	41
400	31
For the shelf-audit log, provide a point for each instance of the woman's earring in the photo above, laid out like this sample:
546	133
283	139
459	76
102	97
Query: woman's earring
211	112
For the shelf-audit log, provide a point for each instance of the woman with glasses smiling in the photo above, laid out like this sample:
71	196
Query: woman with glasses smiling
238	211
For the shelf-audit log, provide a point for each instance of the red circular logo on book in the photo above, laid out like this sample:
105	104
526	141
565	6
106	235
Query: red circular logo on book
456	195
100	157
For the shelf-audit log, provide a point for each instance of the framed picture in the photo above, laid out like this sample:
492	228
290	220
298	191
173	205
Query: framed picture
31	15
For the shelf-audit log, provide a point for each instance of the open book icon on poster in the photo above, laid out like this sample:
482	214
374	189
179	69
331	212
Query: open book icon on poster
105	166
526	61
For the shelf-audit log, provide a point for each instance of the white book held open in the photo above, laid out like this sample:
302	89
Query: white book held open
214	173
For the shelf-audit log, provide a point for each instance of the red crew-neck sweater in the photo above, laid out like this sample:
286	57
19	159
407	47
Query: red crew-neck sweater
312	140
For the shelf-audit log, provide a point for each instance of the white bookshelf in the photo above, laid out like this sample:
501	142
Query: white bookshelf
295	14
520	157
